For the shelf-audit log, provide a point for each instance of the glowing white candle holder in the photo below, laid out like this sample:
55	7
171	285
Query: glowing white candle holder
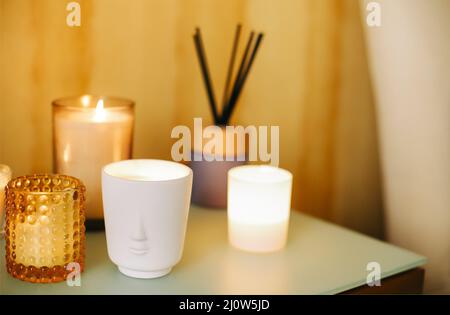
259	202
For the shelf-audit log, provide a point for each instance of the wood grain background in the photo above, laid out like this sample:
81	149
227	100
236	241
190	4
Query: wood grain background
310	78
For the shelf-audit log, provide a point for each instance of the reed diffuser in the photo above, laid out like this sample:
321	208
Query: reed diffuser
210	175
232	90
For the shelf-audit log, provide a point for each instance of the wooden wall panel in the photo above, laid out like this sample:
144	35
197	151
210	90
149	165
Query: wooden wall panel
310	78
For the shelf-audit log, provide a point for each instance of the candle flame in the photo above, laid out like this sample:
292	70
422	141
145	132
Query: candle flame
85	100
100	111
100	105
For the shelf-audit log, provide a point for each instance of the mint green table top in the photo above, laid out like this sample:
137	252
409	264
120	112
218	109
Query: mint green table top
320	258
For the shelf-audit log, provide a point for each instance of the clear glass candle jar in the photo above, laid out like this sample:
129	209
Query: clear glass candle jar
88	133
44	227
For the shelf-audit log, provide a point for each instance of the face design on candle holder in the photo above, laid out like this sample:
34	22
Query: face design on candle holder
146	204
138	240
144	234
136	235
132	236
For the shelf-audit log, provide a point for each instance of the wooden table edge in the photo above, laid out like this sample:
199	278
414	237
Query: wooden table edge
407	282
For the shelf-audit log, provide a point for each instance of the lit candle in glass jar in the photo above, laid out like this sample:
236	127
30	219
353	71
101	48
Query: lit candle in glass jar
88	133
259	202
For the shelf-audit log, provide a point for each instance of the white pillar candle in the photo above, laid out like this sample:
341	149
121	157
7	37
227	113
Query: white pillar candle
90	132
5	176
259	202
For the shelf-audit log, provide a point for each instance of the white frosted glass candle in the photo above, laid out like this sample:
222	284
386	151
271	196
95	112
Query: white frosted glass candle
259	202
5	176
90	132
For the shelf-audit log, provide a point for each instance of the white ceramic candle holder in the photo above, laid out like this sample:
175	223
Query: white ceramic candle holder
146	205
259	202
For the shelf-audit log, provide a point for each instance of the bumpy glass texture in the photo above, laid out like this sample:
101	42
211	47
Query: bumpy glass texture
45	233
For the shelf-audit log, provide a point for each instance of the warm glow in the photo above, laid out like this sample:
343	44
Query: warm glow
259	202
85	100
66	153
5	176
100	113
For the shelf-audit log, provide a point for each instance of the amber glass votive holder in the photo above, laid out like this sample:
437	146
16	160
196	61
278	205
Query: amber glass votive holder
44	227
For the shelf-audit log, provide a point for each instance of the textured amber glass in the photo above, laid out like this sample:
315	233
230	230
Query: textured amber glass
44	227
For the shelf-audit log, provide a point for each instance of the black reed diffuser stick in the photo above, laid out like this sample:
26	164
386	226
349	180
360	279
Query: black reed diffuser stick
240	81
230	97
205	70
226	94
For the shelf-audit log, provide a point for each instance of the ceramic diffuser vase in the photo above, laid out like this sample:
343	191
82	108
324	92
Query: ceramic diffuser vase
211	165
211	168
